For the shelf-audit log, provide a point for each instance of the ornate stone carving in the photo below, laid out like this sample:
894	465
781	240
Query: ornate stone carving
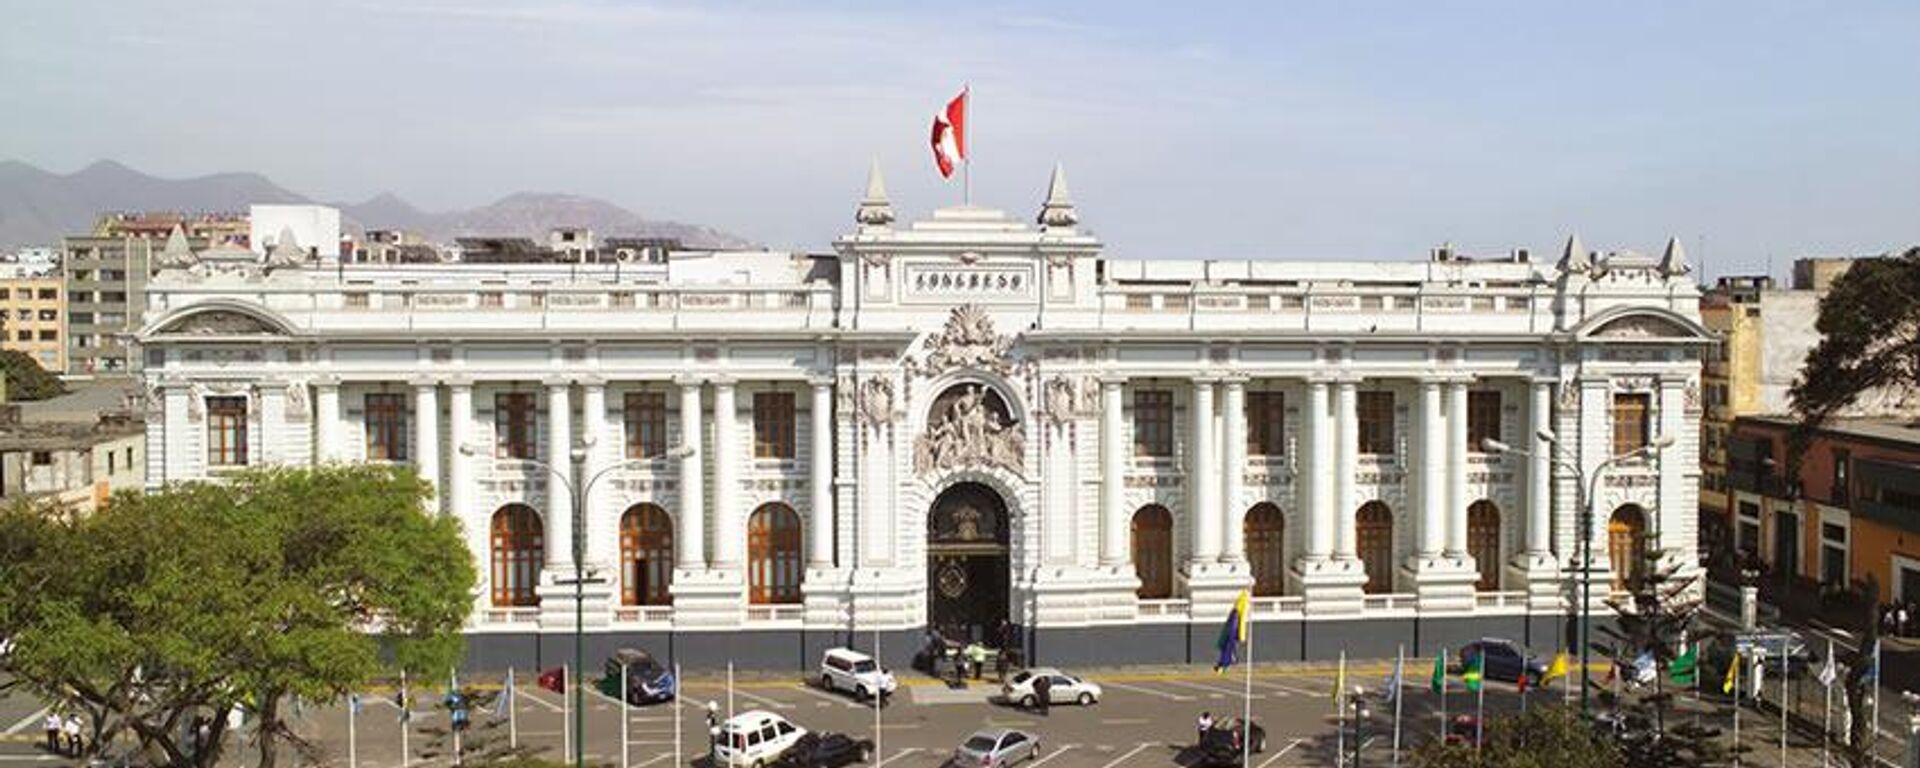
1569	396
222	322
297	409
1070	398
876	402
1640	327
968	341
1634	383
969	434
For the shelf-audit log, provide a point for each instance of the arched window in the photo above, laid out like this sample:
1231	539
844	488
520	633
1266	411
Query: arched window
1153	551
1483	543
1375	524
519	545
773	555
1627	546
1266	548
646	556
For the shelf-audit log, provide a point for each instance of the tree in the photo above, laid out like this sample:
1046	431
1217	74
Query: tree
162	609
1651	622
1542	737
1869	328
26	380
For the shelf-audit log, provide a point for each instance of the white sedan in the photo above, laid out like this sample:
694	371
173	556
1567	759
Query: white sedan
1063	688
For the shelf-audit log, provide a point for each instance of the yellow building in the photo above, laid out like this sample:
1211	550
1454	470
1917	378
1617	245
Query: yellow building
33	314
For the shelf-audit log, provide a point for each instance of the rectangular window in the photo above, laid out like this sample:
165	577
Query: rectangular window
1376	422
1842	475
1630	424
1266	423
1833	554
1746	535
43	458
386	427
1153	423
226	431
773	425
48	334
48	294
492	300
513	425
646	425
1483	418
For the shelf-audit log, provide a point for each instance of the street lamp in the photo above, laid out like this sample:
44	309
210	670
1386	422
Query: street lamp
1588	488
1360	715
577	492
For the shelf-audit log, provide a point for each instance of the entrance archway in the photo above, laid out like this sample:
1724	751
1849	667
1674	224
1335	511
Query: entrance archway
969	565
1375	524
1627	546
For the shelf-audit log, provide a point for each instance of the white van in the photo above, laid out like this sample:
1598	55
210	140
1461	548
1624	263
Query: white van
754	738
845	669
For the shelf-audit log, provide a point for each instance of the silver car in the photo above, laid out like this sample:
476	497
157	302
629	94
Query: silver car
996	748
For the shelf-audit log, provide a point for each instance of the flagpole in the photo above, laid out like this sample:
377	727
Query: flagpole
513	717
1246	700
624	716
1480	704
1399	693
1826	718
1736	708
406	717
676	714
453	699
1783	704
876	697
353	740
1443	694
1339	713
966	124
566	713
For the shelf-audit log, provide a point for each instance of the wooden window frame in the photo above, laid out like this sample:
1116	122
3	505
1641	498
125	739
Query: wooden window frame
646	424
1632	414
386	419
773	426
1483	418
774	555
226	431
1374	417
1153	423
517	552
646	541
1379	570
1266	424
1152	551
516	424
1266	549
1483	543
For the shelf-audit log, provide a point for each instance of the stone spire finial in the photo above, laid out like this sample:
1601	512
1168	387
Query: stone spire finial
875	210
1674	261
1575	258
285	251
177	253
1058	211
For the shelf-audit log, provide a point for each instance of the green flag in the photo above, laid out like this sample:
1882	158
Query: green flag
1439	683
1476	667
1685	667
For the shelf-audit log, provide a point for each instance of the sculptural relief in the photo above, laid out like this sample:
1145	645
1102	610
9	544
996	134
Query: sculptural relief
968	341
969	432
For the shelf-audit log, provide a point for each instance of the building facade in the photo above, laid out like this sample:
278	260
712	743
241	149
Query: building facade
106	274
968	420
74	466
33	316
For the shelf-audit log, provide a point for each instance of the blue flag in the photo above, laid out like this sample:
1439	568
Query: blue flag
506	696
1394	678
1872	673
1233	633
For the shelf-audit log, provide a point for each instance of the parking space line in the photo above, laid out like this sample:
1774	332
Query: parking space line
1286	688
811	691
654	759
1149	691
898	755
1125	721
1211	689
1283	750
519	691
1129	753
1049	756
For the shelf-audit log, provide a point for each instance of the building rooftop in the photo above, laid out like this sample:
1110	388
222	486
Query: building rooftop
1889	430
64	435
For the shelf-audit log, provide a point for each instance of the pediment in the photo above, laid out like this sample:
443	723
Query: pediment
221	320
1642	324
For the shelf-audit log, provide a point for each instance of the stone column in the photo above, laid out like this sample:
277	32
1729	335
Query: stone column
1203	503
459	435
1316	474
593	417
690	530
730	537
1457	469
426	436
1113	469
820	551
1346	460
1540	471
326	421
559	522
1433	486
1233	443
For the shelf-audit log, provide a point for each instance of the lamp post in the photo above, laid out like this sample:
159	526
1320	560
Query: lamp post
1588	490
577	492
1360	714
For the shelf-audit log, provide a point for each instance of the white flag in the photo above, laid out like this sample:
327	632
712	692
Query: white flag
1827	673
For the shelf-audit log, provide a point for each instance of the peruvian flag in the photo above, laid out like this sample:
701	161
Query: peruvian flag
950	135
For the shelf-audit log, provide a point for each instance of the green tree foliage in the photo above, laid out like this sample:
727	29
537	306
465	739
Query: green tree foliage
1869	340
1651	622
1542	737
205	597
26	380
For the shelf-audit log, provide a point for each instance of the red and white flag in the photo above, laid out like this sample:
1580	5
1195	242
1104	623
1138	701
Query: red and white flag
950	135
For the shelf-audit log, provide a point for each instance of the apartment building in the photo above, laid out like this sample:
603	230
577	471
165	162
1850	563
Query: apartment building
33	314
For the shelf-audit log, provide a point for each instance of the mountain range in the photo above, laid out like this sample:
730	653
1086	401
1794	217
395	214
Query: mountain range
39	207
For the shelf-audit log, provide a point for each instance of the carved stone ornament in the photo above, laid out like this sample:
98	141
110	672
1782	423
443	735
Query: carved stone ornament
876	402
1639	327
1634	383
968	341
1569	396
222	322
297	410
969	434
1069	398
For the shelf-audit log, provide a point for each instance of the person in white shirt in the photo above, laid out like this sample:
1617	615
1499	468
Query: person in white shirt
53	726
1206	724
73	735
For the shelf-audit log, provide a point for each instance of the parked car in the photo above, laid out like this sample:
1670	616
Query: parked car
1505	661
845	669
1066	688
996	748
755	738
826	750
1221	745
648	680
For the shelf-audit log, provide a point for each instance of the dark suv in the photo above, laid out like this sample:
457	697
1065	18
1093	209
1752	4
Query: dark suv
1504	661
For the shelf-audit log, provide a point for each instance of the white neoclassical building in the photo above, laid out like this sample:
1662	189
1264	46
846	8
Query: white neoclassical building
969	420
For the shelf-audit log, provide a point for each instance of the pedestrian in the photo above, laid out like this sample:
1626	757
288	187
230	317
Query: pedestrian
1206	724
202	729
53	726
1043	692
1000	661
713	729
1900	621
74	742
977	658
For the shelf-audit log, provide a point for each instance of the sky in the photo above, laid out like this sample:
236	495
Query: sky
1756	131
